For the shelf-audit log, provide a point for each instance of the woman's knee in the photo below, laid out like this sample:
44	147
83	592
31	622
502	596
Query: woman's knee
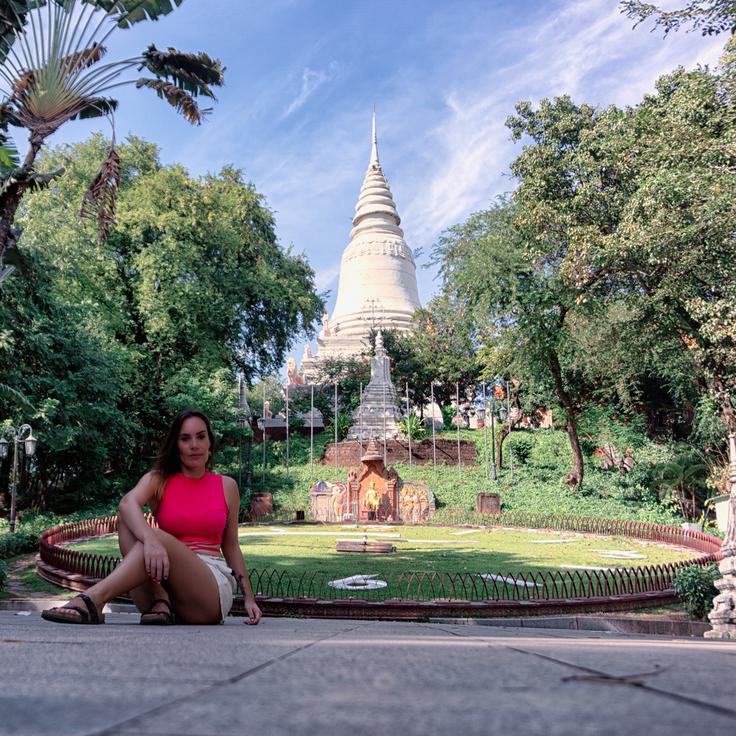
126	538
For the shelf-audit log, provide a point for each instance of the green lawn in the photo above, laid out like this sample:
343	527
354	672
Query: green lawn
311	548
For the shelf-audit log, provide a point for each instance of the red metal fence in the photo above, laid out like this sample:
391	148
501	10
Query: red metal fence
480	586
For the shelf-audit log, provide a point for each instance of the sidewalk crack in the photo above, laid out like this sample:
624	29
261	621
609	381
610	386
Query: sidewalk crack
157	710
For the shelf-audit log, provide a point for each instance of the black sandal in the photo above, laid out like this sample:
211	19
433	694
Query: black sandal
158	618
88	615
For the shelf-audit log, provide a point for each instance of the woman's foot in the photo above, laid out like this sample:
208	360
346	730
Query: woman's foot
159	614
79	610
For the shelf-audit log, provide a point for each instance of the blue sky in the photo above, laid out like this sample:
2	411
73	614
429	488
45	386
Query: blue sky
303	75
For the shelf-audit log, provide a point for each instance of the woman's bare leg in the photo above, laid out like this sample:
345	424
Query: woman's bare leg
143	595
191	584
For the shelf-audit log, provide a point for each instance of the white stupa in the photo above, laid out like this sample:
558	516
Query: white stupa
378	283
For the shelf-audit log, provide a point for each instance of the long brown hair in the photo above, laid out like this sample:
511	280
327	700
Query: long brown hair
168	462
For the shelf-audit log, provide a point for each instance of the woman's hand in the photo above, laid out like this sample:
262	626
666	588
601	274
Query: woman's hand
155	559
251	608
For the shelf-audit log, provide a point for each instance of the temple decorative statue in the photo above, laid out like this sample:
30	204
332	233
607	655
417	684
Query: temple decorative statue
378	284
723	614
371	492
378	414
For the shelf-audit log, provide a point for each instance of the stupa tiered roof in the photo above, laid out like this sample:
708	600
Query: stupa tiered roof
377	284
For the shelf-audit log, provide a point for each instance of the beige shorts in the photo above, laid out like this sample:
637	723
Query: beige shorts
226	583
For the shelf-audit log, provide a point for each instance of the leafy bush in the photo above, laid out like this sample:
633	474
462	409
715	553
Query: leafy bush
683	479
521	446
414	427
344	422
551	449
3	574
448	414
709	429
694	586
17	543
602	426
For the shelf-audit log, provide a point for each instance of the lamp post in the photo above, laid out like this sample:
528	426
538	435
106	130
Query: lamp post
485	429
494	472
244	415
434	435
23	436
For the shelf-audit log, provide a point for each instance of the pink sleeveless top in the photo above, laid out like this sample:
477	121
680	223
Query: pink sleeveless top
194	510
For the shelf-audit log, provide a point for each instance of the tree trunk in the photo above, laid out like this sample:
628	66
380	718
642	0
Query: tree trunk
506	429
500	437
728	411
574	478
503	433
12	196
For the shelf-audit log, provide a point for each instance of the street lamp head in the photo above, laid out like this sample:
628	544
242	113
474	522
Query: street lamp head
30	445
502	413
3	448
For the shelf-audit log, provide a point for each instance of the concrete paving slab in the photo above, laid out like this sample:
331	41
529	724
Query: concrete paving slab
680	667
658	626
304	677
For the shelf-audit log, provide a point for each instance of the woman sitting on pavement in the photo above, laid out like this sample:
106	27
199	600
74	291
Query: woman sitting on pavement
191	564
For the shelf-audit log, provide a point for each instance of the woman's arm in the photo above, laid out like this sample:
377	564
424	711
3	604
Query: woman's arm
130	511
232	553
131	506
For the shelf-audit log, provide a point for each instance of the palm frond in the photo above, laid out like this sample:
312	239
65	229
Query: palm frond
83	59
49	69
13	14
97	107
25	177
194	73
8	393
129	12
9	156
100	199
180	100
40	180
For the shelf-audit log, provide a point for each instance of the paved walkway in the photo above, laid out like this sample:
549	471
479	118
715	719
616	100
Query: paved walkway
302	677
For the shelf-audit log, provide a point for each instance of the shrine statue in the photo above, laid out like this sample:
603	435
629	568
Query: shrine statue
267	414
407	505
292	376
729	541
372	500
423	505
338	501
325	325
307	353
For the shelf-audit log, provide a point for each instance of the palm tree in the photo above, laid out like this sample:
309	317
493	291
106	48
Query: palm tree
682	480
52	72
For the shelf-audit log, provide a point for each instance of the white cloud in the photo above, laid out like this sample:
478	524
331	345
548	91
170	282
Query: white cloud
587	50
442	92
326	278
312	80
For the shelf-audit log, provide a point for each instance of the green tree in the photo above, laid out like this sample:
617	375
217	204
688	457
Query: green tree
636	207
51	52
177	299
662	174
707	16
349	374
439	348
59	357
493	265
